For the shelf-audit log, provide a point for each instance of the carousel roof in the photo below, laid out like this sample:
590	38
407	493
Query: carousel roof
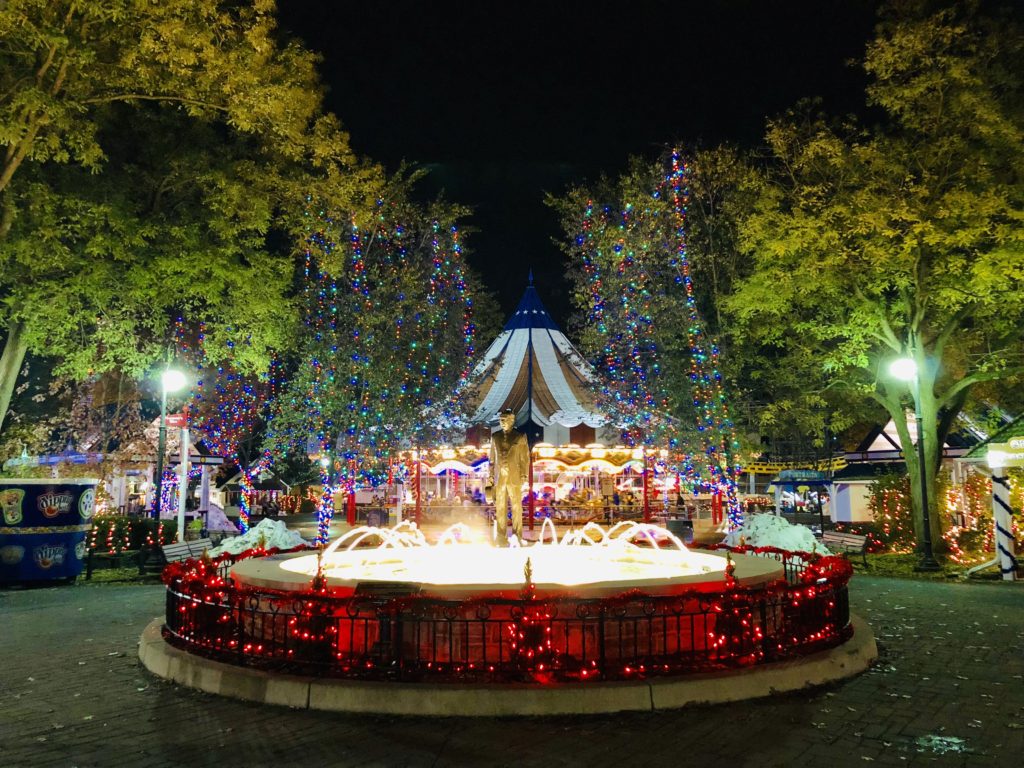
532	368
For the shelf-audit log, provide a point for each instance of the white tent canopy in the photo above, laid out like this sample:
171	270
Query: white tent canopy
534	370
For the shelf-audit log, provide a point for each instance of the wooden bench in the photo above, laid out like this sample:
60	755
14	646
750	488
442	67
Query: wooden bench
154	560
846	543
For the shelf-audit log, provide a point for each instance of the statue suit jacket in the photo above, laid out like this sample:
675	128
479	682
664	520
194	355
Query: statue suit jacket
513	451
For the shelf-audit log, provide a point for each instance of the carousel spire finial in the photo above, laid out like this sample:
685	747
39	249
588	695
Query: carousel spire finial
530	278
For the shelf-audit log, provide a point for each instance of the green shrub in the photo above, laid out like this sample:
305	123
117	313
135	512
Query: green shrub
892	514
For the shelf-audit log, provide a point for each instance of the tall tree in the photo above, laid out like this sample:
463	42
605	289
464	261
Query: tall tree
228	407
387	343
659	367
202	127
904	239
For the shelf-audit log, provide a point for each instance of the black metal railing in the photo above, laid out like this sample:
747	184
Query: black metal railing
530	639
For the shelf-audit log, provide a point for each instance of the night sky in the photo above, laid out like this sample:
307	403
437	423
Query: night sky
503	102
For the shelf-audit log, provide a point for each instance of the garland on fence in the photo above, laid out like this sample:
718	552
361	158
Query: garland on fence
733	632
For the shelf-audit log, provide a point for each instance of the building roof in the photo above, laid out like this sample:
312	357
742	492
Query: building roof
886	438
882	444
868	471
533	369
1014	429
268	480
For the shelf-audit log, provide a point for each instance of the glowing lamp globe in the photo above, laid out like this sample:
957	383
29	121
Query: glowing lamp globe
903	369
172	380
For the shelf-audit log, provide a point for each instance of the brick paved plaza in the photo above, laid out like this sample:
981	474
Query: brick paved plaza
951	665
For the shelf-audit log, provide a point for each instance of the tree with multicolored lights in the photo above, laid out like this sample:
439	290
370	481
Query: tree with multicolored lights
659	368
899	240
229	408
388	339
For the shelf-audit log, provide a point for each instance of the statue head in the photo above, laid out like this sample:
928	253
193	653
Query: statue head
507	419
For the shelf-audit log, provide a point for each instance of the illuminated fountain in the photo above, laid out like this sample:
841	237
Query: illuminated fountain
384	605
590	561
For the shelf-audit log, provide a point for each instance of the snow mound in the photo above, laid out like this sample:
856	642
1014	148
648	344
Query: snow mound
767	530
216	520
274	533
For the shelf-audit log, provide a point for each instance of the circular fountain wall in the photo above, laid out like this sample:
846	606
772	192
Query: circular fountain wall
382	616
589	562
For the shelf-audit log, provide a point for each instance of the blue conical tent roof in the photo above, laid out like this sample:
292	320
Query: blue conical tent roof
530	312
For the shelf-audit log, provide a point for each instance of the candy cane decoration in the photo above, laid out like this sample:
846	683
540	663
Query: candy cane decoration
1002	514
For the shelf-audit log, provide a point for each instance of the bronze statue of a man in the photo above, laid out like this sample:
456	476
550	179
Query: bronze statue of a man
510	462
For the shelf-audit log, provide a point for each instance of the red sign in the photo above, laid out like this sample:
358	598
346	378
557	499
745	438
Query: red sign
177	420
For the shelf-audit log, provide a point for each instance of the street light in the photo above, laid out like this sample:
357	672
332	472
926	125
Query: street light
905	369
171	380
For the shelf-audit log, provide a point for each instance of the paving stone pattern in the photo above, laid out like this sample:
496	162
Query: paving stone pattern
72	693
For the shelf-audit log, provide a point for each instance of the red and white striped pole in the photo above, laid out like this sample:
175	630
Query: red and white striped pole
647	499
417	489
531	505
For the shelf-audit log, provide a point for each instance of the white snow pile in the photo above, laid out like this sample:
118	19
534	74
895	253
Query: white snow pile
768	530
274	534
216	520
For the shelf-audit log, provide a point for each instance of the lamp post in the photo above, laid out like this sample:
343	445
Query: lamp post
905	369
171	380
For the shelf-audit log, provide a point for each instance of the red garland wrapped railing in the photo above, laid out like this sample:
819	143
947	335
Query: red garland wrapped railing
532	639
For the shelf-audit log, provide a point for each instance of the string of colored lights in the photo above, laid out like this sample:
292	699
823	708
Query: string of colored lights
626	389
709	398
389	337
169	488
227	408
636	272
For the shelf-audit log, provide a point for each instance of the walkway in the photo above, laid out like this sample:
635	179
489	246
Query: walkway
952	666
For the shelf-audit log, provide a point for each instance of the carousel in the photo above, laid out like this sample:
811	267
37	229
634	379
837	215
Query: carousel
578	473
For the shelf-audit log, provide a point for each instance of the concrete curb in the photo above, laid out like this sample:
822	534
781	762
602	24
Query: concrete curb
175	665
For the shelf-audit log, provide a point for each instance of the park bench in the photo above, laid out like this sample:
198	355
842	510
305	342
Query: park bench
153	560
846	543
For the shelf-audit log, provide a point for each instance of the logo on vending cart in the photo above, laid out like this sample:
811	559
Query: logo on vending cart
49	555
53	503
10	500
11	554
86	503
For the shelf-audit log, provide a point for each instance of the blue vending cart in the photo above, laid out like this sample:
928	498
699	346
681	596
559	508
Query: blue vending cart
43	528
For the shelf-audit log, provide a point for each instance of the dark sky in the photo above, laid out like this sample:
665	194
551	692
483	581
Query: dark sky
504	101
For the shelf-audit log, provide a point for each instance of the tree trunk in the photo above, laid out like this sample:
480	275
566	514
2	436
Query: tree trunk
10	366
932	453
932	457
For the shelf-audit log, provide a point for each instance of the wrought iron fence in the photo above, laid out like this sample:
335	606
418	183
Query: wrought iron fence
530	639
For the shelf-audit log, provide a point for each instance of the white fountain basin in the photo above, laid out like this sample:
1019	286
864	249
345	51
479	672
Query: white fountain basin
591	562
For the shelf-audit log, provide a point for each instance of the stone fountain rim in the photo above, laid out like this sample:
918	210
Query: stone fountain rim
493	700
